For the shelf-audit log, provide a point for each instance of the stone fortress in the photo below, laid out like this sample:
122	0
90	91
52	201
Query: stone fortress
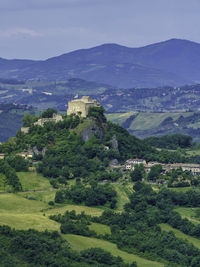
81	106
77	106
55	118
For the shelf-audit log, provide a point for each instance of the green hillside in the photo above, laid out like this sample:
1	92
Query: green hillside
25	211
20	211
145	124
83	208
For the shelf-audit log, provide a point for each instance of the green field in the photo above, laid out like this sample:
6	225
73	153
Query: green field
119	118
181	189
33	181
63	208
188	213
193	152
100	229
27	210
179	234
146	124
82	242
145	120
122	194
45	196
21	213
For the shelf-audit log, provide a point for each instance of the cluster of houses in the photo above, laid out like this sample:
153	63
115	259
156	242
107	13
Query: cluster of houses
193	168
25	155
130	164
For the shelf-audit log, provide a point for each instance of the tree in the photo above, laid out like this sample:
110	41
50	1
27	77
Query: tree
49	113
155	172
98	113
59	197
138	173
3	180
28	120
18	163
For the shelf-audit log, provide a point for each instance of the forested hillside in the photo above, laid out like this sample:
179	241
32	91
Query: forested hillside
96	213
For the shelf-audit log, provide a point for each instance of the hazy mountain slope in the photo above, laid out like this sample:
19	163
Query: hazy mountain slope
173	62
11	68
178	56
11	119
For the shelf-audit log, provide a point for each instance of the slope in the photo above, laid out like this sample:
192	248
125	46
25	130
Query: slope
172	62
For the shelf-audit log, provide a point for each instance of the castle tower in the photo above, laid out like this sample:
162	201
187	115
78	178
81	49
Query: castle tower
81	105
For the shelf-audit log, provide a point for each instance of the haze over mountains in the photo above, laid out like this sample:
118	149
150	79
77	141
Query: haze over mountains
173	62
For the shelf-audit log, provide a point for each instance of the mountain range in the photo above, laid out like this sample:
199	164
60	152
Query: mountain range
174	62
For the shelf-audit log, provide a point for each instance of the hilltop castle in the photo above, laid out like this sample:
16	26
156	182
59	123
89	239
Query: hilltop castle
81	106
76	106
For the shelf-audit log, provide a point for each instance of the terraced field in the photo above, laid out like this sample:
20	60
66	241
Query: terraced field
179	234
190	214
82	242
31	210
145	120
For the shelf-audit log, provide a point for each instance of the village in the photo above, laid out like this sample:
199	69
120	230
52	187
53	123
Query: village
130	163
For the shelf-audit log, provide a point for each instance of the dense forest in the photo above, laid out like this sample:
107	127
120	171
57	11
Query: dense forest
137	229
173	141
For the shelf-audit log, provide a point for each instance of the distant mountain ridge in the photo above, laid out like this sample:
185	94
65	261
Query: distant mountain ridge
174	62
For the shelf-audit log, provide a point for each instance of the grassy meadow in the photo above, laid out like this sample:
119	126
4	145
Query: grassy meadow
81	242
145	124
190	214
33	181
145	120
179	234
30	209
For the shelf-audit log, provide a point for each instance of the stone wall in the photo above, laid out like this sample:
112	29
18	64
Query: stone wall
81	106
55	118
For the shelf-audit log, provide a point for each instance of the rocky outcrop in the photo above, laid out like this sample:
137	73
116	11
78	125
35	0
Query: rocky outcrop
37	152
114	143
92	130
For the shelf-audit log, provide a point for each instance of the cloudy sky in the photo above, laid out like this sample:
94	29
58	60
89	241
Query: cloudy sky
39	29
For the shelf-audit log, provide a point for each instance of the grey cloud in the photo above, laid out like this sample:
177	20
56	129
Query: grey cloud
15	32
43	4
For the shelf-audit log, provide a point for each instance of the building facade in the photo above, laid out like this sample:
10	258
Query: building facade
81	106
129	165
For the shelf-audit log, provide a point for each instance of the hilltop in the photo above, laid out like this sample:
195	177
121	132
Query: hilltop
83	207
173	62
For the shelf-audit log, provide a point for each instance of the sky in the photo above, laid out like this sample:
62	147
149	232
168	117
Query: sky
40	29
